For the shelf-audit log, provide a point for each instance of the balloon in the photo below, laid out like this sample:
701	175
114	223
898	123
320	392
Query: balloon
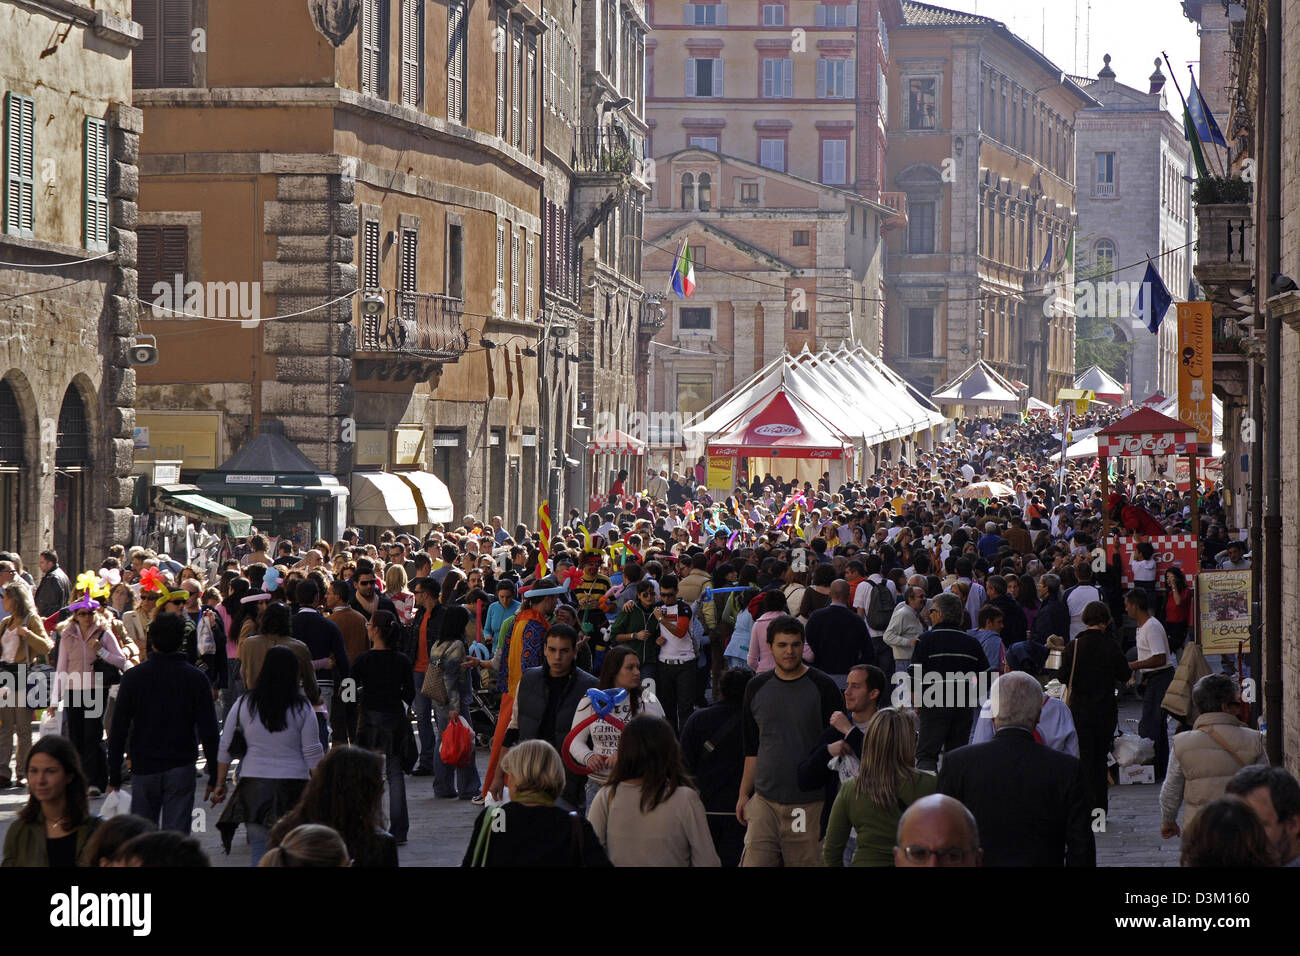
603	703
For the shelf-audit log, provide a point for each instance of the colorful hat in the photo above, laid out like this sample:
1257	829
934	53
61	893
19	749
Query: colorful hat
87	603
151	581
169	596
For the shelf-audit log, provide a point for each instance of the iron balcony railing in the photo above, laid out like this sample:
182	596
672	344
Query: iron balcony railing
604	150
415	323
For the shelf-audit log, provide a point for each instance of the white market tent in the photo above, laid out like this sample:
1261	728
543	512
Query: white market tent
980	386
853	390
1093	379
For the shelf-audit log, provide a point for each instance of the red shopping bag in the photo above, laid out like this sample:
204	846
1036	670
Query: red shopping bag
457	748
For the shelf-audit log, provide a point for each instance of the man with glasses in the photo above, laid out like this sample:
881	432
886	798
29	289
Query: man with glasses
937	831
368	600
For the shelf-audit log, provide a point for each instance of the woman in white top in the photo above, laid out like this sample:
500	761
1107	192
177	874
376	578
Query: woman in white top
648	814
23	643
597	746
283	740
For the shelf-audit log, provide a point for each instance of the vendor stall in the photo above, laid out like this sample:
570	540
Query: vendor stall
979	387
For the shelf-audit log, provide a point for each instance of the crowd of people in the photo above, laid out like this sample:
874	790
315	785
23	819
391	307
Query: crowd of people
892	672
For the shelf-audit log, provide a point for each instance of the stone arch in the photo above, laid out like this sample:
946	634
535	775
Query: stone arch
24	488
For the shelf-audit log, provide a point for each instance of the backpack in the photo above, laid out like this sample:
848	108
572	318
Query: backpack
880	606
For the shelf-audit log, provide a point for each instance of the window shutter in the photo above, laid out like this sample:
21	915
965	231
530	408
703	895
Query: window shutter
530	88
20	165
410	250
688	17
852	15
503	36
787	86
174	253
821	77
499	298
850	77
690	76
456	61
177	23
514	274
412	52
528	280
722	14
161	254
718	88
570	256
370	254
819	16
516	90
95	186
146	57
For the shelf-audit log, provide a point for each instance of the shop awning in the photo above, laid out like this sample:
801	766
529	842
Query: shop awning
431	495
383	500
194	505
616	443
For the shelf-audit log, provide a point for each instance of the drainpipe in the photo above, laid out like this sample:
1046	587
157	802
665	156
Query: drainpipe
1273	388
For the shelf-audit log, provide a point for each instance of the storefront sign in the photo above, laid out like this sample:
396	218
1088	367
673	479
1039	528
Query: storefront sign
1223	610
408	446
1195	371
250	479
720	472
372	447
191	439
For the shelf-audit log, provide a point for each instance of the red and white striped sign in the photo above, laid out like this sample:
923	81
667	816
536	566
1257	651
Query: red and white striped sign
1170	550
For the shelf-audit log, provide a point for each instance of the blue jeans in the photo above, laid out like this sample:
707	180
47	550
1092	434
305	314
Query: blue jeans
257	838
322	720
467	782
169	794
399	821
424	725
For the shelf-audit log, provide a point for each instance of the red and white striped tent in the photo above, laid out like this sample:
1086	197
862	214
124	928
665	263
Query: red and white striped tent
1145	432
616	442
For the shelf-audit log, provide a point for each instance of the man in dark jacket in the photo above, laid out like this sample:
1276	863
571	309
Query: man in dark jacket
325	641
947	661
1028	799
546	702
715	758
865	691
838	636
1015	626
424	631
164	705
1053	616
367	599
55	590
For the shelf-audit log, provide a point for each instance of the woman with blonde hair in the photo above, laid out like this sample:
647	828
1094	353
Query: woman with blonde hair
23	643
887	783
310	845
530	830
395	589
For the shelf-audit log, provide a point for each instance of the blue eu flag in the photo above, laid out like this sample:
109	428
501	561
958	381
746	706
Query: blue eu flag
1206	128
1153	299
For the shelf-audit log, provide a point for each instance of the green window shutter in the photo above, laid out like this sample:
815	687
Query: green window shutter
20	165
95	186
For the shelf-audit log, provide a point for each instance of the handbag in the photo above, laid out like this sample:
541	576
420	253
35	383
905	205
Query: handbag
409	753
1065	697
457	747
481	841
435	681
238	742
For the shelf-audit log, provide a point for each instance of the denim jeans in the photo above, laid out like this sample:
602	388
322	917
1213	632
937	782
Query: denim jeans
322	719
169	794
424	725
257	838
467	783
398	819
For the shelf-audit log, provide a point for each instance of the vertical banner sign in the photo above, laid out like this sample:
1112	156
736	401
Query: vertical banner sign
1223	607
720	473
1195	378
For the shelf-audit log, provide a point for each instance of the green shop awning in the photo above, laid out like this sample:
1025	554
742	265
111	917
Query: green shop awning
194	505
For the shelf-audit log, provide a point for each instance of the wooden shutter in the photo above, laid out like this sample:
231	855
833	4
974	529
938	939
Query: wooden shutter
146	58
177	25
718	87
516	89
409	278
851	15
374	46
821	77
819	15
530	94
722	14
514	273
370	254
850	77
690	76
528	280
499	298
503	40
688	14
20	165
95	186
456	61
787	77
161	254
412	52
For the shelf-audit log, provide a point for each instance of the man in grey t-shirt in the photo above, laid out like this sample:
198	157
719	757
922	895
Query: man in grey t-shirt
784	714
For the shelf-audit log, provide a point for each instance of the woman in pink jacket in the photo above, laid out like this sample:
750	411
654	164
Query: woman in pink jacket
771	605
83	691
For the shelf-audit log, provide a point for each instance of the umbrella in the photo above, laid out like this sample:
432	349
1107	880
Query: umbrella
985	489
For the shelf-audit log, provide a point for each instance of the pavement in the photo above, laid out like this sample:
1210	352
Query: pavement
440	829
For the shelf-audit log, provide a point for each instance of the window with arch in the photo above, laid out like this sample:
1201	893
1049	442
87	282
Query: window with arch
13	460
1103	258
688	191
72	465
706	192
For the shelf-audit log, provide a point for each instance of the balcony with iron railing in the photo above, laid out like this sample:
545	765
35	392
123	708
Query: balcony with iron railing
897	201
423	329
604	150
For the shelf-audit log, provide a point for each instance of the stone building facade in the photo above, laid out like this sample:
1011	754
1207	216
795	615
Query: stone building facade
1134	200
67	278
981	141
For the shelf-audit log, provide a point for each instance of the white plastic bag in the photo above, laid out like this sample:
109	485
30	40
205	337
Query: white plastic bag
51	722
207	644
115	804
1130	749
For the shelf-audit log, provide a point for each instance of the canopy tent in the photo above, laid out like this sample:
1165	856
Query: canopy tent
1169	407
852	391
1085	441
1155	400
381	499
1036	406
781	425
1105	388
980	386
186	500
1143	434
616	442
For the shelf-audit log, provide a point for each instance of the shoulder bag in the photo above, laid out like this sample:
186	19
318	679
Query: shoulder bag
238	742
435	681
1074	664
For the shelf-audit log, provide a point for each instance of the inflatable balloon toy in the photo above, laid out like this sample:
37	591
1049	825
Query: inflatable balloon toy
603	703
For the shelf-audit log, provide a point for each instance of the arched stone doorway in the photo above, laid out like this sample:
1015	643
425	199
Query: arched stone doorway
72	470
13	468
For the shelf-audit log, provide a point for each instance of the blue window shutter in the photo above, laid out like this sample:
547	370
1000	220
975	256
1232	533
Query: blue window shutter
788	77
722	14
690	76
819	16
688	14
850	77
821	77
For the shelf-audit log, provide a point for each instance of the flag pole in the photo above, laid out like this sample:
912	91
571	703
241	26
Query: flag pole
1223	162
1186	109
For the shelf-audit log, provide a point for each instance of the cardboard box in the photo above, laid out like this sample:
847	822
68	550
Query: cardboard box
1138	773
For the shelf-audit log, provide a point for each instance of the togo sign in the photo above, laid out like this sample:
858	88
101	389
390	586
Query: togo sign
1127	445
